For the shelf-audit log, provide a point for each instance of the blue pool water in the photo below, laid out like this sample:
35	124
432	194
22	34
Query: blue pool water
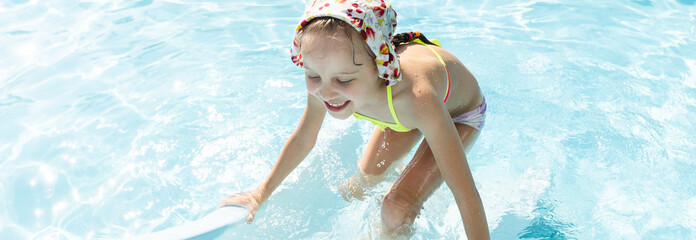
118	118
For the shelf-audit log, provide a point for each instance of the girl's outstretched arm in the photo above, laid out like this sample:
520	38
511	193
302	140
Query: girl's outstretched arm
296	148
298	145
433	120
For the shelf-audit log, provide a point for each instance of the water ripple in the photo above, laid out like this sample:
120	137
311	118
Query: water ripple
124	117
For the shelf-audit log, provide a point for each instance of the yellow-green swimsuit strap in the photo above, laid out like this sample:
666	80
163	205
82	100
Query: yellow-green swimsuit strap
391	109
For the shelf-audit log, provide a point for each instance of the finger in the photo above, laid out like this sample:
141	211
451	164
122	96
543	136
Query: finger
344	195
250	218
225	202
222	203
236	194
345	192
232	201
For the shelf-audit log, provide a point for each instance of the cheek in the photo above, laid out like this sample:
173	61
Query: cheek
312	86
351	93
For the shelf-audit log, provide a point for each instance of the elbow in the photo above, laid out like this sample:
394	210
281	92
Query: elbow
305	142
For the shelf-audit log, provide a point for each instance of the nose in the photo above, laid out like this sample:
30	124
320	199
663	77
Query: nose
326	92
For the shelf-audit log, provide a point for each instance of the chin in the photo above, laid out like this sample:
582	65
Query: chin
341	116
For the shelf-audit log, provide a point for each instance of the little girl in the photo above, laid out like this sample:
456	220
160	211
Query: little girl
408	87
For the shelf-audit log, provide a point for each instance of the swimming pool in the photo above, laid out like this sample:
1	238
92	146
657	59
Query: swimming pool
122	117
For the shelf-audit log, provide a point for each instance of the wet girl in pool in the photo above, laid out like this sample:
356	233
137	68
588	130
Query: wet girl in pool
408	86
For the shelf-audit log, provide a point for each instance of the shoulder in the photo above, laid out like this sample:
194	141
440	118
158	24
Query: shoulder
423	68
422	73
415	100
414	58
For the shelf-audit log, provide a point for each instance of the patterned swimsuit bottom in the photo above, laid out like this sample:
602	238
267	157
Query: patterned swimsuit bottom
474	118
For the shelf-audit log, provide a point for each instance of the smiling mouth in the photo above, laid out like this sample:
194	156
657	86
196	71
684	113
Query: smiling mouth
335	107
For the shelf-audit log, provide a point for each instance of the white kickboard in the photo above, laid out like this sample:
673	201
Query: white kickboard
221	217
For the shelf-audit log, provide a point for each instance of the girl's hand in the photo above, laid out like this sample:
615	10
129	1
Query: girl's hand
352	188
252	201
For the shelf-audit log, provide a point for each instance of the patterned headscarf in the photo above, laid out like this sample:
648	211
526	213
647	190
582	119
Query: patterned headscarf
375	20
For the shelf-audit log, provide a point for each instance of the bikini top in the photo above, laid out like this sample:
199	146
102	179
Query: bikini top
397	126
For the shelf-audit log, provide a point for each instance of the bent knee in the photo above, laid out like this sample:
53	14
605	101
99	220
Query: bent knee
372	170
398	214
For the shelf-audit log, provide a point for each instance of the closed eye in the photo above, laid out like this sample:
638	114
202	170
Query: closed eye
345	82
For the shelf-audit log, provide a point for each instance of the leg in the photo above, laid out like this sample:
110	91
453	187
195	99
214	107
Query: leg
419	180
383	149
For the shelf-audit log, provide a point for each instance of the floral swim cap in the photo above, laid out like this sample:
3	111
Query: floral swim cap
375	20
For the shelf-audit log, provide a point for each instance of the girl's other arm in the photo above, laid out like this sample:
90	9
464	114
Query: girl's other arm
432	119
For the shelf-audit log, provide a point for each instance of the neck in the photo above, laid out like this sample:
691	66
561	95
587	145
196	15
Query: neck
378	103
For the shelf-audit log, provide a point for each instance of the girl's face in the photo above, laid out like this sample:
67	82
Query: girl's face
332	76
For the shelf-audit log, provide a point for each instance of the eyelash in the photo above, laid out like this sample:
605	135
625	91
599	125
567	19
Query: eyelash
339	81
345	82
